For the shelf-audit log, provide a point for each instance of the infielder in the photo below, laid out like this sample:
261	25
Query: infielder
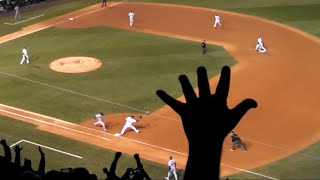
131	18
98	120
217	21
259	41
172	168
260	46
17	9
24	56
129	121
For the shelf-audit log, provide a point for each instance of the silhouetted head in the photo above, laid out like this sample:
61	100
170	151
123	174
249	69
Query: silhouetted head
101	113
132	116
170	157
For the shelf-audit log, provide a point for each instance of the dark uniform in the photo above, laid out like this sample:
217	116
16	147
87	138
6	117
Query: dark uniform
235	141
203	48
104	3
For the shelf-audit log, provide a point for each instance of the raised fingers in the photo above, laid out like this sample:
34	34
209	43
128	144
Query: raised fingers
222	89
203	83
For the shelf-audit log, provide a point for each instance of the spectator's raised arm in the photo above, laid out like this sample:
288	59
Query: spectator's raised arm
206	120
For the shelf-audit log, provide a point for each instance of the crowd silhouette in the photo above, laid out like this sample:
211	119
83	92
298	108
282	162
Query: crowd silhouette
206	118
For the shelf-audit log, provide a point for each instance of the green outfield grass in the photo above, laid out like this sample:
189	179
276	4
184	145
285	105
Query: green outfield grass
47	13
139	69
93	158
132	71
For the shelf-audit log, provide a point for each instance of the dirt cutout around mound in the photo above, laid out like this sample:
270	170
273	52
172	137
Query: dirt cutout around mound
285	121
75	64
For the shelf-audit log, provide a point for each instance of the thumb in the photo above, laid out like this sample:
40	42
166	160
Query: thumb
241	109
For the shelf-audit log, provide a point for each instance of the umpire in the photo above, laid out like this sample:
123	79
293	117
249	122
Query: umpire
203	47
104	3
237	141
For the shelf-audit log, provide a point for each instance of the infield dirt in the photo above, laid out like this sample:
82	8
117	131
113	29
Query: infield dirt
283	81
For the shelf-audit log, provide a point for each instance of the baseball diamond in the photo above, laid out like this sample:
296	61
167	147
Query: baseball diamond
258	75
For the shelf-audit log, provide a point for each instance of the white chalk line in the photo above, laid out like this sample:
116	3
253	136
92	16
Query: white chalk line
91	12
132	108
52	124
147	144
45	27
117	103
88	96
24	20
47	147
250	172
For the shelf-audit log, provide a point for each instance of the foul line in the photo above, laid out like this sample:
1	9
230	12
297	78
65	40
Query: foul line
139	142
132	108
99	9
25	20
44	122
45	27
88	96
47	147
250	172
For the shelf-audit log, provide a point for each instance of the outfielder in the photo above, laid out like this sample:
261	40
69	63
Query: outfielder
129	121
172	168
98	120
17	15
217	21
24	56
131	18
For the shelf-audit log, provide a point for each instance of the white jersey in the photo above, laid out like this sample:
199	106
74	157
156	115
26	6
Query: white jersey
172	164
260	41
16	8
98	116
24	51
131	15
217	17
130	120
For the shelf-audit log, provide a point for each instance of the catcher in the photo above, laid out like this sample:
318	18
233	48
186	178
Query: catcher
129	121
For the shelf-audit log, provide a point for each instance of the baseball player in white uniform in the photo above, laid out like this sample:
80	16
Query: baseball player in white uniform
260	46
129	121
17	15
217	21
172	168
25	56
98	120
131	18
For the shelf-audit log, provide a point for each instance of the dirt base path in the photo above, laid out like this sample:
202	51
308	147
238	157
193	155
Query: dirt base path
283	81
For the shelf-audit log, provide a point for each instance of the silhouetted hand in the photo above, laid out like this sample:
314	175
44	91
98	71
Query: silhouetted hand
40	150
136	156
3	142
206	120
207	117
17	149
106	171
118	155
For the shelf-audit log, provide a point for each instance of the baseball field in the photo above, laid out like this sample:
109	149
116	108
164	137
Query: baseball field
41	106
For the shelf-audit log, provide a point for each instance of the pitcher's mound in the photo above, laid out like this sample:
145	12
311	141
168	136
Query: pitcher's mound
75	64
